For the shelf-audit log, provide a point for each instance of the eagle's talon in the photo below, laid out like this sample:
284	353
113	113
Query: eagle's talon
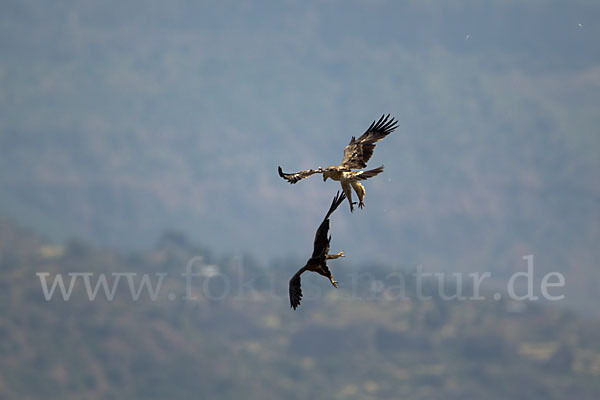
352	206
361	205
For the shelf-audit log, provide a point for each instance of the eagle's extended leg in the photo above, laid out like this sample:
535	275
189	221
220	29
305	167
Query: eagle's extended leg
334	256
326	273
360	192
334	283
348	190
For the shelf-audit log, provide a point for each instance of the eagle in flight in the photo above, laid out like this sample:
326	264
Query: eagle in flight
318	261
356	155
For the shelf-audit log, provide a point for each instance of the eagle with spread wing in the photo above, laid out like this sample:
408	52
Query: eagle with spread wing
356	155
318	261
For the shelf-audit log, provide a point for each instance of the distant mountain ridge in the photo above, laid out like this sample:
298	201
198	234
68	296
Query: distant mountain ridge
223	344
118	121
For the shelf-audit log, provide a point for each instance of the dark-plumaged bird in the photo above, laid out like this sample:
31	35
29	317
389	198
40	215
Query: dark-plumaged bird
318	261
356	155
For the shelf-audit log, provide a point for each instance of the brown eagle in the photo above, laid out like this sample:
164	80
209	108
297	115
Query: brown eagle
318	261
356	155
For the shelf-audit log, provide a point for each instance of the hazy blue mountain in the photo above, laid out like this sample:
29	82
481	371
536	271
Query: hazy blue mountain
120	119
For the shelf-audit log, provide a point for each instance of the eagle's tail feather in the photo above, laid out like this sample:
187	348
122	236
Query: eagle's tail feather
362	175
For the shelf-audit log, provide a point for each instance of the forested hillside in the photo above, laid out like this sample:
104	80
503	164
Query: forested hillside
121	119
246	342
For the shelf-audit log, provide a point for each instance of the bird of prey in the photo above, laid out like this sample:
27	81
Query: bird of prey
318	261
356	155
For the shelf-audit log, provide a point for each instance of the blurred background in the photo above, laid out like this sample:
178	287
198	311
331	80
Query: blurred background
137	135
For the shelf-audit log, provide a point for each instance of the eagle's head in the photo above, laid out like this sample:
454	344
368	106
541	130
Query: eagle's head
328	173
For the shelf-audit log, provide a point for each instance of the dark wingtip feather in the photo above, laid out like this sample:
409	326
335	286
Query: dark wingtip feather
295	291
384	125
337	200
288	177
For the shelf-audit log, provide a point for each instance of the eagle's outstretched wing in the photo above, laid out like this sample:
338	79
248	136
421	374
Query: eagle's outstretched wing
295	177
321	244
295	289
360	150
